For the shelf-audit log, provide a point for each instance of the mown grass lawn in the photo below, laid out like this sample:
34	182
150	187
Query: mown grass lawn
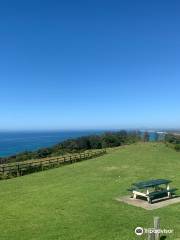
76	202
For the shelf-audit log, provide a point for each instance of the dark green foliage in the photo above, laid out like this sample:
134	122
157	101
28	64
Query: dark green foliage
173	140
44	152
177	147
108	139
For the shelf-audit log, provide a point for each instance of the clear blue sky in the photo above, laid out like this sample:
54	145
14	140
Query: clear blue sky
89	64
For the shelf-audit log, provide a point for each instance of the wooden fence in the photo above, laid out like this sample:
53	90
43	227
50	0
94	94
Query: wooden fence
26	167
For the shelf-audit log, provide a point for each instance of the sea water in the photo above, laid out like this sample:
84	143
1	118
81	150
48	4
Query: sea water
14	142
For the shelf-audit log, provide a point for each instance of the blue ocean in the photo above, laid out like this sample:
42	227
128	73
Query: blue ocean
16	142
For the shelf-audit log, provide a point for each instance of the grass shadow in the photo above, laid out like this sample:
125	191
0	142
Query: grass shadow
163	237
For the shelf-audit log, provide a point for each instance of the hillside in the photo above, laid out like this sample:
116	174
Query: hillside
76	202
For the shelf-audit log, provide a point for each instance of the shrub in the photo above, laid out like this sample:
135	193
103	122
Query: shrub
177	147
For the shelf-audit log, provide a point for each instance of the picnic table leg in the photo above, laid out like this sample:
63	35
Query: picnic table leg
148	198
167	187
134	195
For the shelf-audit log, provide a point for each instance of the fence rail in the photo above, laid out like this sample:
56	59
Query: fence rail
26	167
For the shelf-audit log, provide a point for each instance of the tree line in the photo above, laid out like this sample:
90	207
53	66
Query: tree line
173	140
105	140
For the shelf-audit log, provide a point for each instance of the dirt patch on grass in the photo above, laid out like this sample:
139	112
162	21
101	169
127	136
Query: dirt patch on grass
112	168
144	204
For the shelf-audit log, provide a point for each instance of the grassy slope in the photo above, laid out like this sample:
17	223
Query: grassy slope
76	202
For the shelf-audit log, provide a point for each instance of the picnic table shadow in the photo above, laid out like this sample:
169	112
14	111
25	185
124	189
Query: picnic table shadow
163	237
165	198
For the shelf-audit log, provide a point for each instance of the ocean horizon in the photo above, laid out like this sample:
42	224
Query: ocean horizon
14	142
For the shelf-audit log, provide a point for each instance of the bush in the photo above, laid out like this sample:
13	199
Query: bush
177	147
108	139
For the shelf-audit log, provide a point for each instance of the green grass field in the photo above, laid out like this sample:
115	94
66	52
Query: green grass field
76	202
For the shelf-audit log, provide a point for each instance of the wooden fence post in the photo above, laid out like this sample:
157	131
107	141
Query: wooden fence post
41	166
3	170
157	227
151	235
18	170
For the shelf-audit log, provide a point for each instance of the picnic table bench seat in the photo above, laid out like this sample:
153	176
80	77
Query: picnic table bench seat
161	193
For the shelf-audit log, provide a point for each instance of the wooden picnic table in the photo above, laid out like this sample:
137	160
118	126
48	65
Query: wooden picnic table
152	189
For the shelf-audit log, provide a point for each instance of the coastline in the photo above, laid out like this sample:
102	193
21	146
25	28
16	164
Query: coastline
12	143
